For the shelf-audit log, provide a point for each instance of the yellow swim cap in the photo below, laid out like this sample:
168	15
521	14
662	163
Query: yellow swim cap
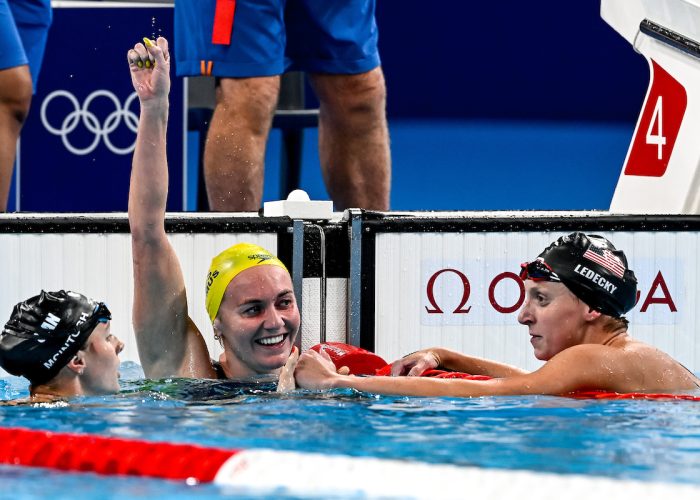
228	264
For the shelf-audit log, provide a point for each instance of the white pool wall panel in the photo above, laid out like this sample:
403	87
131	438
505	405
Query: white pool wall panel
100	266
666	265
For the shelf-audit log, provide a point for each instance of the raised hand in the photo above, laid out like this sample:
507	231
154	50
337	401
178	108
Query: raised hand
149	63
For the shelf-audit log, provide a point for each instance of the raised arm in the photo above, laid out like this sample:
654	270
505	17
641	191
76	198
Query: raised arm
169	343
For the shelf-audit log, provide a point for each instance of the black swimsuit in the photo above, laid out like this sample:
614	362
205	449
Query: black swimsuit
220	374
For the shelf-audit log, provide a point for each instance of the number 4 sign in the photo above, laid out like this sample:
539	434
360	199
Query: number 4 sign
658	125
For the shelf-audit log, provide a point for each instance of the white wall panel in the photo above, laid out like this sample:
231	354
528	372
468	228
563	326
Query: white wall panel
99	265
336	307
666	265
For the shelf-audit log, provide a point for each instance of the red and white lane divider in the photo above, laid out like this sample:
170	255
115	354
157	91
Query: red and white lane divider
308	474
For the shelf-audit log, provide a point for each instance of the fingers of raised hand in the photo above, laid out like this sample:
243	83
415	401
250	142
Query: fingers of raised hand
138	57
144	55
162	44
134	59
158	50
319	360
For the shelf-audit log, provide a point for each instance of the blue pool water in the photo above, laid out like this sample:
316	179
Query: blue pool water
642	440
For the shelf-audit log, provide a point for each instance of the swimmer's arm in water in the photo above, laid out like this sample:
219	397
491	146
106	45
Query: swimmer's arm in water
416	363
169	343
579	368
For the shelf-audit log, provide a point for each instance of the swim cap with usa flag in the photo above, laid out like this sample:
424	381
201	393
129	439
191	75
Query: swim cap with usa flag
593	269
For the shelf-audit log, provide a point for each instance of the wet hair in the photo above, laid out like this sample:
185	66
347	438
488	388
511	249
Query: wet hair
612	324
45	331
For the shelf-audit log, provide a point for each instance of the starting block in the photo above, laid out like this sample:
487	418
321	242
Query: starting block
660	174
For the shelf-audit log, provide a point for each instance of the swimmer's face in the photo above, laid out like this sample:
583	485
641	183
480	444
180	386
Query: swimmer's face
101	353
554	316
258	320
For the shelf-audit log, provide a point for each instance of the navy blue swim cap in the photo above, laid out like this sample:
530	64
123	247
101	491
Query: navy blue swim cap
45	331
592	268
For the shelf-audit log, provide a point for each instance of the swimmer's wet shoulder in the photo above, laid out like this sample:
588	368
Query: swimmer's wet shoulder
36	400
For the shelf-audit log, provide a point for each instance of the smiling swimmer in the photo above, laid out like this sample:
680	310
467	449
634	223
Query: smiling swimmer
250	298
228	264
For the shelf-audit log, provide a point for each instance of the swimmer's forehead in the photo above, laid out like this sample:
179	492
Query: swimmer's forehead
103	325
102	329
544	287
260	279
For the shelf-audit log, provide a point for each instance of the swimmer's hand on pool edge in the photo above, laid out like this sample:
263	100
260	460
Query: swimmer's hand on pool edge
316	371
414	364
286	382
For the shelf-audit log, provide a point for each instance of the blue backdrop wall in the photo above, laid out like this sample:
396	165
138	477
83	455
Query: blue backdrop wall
491	106
500	105
546	60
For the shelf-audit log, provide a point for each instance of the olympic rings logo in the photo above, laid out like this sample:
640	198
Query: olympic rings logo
81	114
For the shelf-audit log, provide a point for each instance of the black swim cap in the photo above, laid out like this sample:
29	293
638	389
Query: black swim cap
592	268
45	331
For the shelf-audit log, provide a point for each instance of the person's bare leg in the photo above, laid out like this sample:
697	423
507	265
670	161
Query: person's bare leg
15	98
353	139
234	154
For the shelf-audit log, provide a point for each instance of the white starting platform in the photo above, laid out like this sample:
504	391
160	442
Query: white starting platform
661	174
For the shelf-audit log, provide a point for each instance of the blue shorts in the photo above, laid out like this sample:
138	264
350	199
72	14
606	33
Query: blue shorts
245	38
24	26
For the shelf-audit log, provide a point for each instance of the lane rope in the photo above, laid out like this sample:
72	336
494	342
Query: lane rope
308	474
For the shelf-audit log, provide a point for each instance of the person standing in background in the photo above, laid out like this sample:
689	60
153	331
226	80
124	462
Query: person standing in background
24	27
247	44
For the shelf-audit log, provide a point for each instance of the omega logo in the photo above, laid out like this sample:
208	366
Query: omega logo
466	291
82	114
658	293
